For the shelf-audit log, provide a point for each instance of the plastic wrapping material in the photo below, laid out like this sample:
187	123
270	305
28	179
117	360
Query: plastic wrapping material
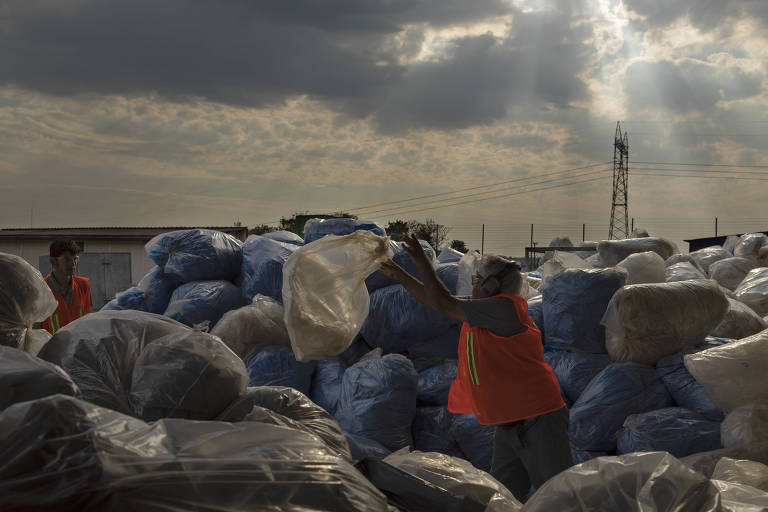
684	258
560	261
36	340
580	456
735	497
536	312
749	245
613	251
558	241
287	237
378	280
203	302
144	365
684	389
732	374
378	399
683	271
26	377
25	299
646	322
277	366
747	472
435	382
731	241
315	229
643	267
197	254
705	462
620	390
263	261
574	303
326	383
740	321
449	275
132	298
746	424
468	265
675	430
753	290
730	272
575	370
432	430
158	288
324	293
443	345
640	482
253	327
362	448
111	306
449	255
474	439
456	476
709	255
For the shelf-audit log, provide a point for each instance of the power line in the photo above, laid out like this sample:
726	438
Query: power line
701	165
665	175
700	170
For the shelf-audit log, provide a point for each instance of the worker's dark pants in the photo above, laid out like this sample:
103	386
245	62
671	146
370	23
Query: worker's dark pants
531	451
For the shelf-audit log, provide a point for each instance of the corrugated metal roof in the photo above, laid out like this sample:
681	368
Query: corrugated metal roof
125	233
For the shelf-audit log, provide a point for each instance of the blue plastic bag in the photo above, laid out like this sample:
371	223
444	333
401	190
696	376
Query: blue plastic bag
432	430
574	302
326	383
132	298
200	301
685	390
263	261
197	254
435	382
449	275
378	280
536	312
475	440
574	370
676	430
396	320
445	345
449	255
362	447
618	391
287	237
378	399
111	306
277	366
317	229
158	288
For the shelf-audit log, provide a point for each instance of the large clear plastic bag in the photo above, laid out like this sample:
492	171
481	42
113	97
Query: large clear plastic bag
197	254
203	303
362	447
675	430
746	424
735	497
575	370
432	430
468	265
25	299
730	272
560	261
277	366
686	391
747	472
709	255
263	262
253	327
324	293
646	322
733	374
644	267
26	377
315	229
740	321
753	290
682	271
613	251
750	244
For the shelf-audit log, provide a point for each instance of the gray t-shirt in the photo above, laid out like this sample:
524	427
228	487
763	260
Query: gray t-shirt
55	286
495	314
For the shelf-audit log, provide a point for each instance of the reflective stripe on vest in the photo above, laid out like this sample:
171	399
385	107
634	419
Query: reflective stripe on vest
471	366
54	323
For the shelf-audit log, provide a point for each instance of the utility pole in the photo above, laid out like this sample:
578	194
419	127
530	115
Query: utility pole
619	206
482	241
715	226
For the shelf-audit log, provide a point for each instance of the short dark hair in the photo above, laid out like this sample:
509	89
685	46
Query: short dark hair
59	247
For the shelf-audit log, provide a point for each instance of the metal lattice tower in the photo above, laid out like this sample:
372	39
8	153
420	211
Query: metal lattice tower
619	206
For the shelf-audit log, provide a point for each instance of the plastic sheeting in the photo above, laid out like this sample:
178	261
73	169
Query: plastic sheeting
683	258
574	303
157	287
146	365
730	272
25	299
315	229
378	280
705	462
474	439
468	265
449	275
449	255
620	390
378	399
732	374
683	271
197	254
745	424
675	430
560	261
753	290
203	302
613	251
709	255
443	345
287	237
749	245
747	472
740	321
536	312
277	366
26	377
575	370
362	448
253	327
684	389
432	430
646	322
326	383
435	382
324	293
263	261
644	267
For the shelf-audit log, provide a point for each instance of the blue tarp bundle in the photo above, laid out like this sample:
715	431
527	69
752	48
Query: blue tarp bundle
378	399
686	391
197	302
435	382
355	351
432	430
378	280
277	366
326	383
449	255
287	237
197	254
444	345
574	370
263	261
475	440
676	430
132	298
618	391
317	230
362	447
449	275
158	288
396	320
574	302
111	306
536	312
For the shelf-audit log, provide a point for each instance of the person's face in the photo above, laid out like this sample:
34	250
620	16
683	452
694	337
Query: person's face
477	286
65	264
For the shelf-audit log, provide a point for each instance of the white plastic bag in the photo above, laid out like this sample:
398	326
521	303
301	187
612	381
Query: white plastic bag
560	261
468	265
613	251
643	267
730	272
747	472
746	424
253	327
682	271
753	290
749	245
739	322
324	293
708	255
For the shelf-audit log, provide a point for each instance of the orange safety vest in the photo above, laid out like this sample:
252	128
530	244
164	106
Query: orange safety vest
79	304
504	379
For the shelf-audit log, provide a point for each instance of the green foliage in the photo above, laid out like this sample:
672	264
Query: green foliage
459	245
428	230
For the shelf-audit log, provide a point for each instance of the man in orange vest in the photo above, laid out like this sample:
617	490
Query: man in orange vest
502	376
72	292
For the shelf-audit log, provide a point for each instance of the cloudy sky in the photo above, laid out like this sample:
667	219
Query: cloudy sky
495	112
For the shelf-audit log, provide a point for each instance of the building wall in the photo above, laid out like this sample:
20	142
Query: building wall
30	250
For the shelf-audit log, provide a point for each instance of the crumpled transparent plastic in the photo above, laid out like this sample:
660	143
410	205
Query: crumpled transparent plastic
613	251
740	321
747	472
324	293
644	267
746	424
753	290
646	322
683	257
253	327
457	476
560	261
750	244
682	271
732	374
730	272
705	462
709	255
25	299
734	497
196	254
468	265
26	377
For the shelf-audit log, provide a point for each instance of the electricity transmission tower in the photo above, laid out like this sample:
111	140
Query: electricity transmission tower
619	207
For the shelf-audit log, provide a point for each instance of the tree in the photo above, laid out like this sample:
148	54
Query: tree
428	230
261	229
459	245
397	229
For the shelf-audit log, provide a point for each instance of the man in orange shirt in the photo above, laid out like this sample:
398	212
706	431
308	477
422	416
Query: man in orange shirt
502	376
72	292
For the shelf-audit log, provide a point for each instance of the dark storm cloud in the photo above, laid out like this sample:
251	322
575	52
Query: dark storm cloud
703	14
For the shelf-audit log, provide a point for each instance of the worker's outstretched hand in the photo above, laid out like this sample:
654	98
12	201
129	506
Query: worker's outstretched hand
392	270
415	250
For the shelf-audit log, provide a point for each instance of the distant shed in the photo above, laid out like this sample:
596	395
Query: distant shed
700	243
